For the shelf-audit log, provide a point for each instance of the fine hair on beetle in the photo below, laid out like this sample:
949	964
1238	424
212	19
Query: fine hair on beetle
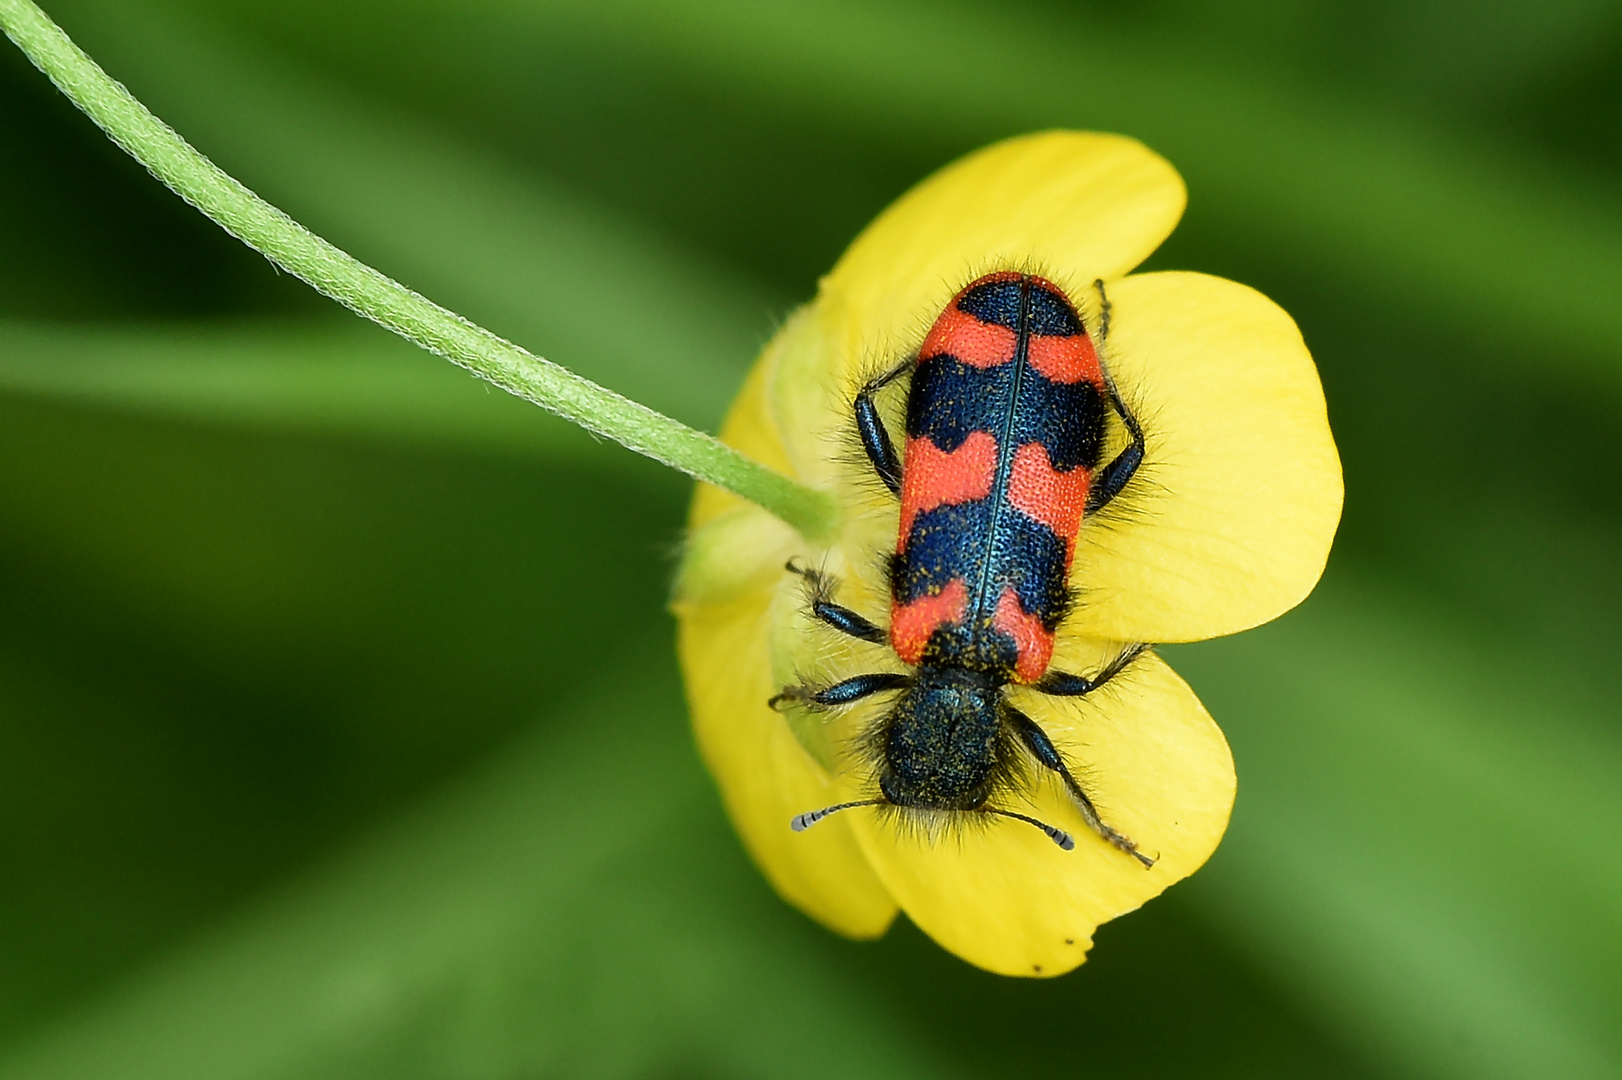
1134	506
1010	410
1014	781
1012	777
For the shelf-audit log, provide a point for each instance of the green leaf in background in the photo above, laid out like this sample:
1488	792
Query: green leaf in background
327	378
301	779
518	924
1410	806
1461	226
626	307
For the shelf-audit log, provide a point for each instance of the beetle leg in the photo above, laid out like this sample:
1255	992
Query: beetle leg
825	610
1036	740
1063	684
875	437
844	692
1112	478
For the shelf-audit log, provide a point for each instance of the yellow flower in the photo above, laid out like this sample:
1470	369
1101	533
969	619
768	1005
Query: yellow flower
1226	526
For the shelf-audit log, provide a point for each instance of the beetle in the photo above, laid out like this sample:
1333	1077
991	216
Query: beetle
1006	415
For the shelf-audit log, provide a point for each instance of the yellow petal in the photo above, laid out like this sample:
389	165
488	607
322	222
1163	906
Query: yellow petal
1074	206
1231	518
766	776
1007	898
733	601
1229	525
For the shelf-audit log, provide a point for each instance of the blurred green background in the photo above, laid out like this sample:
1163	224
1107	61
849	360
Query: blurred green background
339	729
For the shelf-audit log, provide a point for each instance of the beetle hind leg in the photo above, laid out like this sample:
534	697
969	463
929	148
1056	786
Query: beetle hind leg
1063	684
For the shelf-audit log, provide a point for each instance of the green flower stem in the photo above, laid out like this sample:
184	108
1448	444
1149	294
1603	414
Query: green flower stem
388	303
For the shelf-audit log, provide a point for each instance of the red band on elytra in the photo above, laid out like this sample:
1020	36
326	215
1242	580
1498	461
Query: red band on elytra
1066	359
934	478
911	624
1056	499
1033	640
975	343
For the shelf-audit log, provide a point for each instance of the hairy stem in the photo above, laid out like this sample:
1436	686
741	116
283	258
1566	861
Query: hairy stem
388	303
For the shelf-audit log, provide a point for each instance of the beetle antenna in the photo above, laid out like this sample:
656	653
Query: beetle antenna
804	821
1058	836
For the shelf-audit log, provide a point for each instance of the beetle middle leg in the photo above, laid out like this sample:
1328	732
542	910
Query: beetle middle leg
847	622
835	615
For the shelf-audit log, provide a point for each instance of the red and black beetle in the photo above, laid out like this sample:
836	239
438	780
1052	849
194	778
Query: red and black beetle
1007	413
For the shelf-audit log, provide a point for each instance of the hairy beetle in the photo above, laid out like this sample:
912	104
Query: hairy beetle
1006	417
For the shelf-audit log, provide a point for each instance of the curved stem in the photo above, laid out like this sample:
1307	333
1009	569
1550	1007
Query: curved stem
388	303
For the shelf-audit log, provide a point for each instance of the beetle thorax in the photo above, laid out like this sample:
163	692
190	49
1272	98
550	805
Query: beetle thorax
940	742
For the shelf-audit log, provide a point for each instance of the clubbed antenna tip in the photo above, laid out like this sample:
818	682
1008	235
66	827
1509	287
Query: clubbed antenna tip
1058	836
804	821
